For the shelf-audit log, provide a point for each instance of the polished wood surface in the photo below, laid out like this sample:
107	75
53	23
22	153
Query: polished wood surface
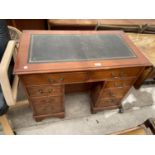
47	83
146	43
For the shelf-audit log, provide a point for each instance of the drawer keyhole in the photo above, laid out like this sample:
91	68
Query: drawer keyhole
50	90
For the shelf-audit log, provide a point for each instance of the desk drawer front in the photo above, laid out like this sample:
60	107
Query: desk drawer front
47	105
68	78
114	93
59	78
108	102
119	83
45	90
115	73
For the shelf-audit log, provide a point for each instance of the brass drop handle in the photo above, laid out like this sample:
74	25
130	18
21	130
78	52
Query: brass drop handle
109	101
113	95
118	85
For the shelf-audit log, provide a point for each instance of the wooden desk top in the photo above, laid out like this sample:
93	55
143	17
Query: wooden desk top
146	43
61	51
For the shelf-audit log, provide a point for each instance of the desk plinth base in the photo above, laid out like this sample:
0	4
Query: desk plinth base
41	117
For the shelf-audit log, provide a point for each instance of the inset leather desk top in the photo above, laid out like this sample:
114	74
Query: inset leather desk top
60	51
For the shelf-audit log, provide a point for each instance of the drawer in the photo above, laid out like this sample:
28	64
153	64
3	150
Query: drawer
114	73
56	78
47	105
119	83
114	92
108	102
45	90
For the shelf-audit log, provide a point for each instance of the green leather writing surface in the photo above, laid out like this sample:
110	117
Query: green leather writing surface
63	48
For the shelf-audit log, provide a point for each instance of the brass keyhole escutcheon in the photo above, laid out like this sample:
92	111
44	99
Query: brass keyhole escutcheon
50	90
61	79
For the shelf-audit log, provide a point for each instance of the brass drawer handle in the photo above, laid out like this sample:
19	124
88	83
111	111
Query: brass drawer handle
118	85
49	91
109	101
111	94
52	80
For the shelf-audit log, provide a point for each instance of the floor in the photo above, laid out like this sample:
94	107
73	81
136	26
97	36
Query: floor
138	105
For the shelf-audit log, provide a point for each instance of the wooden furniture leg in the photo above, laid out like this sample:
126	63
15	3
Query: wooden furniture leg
6	125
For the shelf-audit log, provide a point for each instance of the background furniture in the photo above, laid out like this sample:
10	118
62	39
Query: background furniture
28	24
147	128
127	25
146	43
49	60
4	38
10	90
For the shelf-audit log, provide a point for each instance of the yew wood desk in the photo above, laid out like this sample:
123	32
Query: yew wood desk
47	61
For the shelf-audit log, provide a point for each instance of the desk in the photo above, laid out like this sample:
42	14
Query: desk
47	61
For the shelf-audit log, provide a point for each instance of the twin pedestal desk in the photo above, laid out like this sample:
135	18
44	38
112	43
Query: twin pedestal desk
50	61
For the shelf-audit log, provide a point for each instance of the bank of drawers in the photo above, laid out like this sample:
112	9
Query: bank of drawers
46	99
47	105
110	93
